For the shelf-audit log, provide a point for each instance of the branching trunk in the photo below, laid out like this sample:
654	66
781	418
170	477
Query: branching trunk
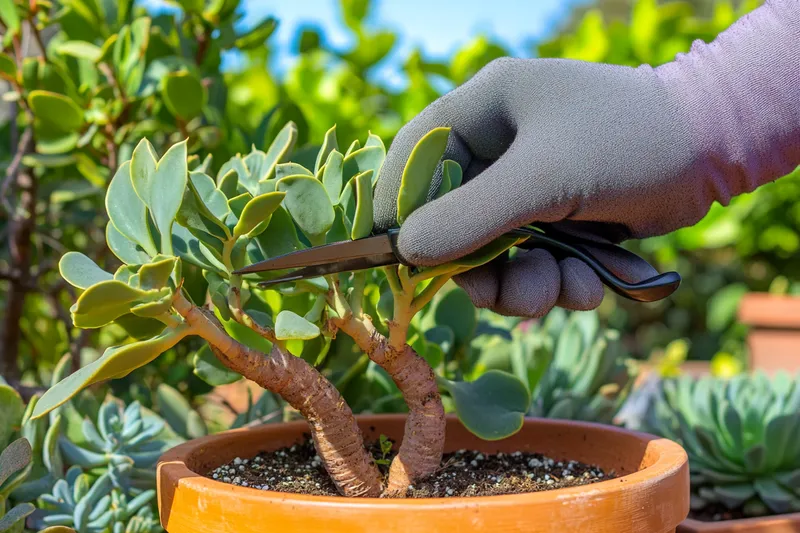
421	451
337	437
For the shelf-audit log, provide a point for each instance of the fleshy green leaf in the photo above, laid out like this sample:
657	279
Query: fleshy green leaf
169	182
143	170
127	211
256	37
184	94
10	414
208	368
14	458
332	176
8	69
418	173
329	144
280	148
125	249
454	172
140	327
156	274
9	16
308	203
492	407
80	49
212	197
362	222
56	110
80	271
362	160
16	516
290	325
284	170
103	302
116	362
256	214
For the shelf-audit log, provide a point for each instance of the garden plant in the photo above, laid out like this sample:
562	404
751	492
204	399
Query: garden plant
743	440
164	212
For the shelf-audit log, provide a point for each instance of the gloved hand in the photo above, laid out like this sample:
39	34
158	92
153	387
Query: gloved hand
607	152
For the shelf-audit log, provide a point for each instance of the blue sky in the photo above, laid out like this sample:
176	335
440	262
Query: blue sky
438	27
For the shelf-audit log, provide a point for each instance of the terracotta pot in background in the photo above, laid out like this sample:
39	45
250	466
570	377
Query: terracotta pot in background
651	496
789	523
774	338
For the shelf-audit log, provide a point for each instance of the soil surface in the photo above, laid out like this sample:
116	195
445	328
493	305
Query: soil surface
464	473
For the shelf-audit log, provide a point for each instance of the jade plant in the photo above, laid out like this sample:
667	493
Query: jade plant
166	211
742	436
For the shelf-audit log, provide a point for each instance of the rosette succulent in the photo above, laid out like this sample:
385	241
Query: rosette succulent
742	436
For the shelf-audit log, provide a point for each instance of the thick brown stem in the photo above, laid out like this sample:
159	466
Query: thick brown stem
423	441
337	437
22	221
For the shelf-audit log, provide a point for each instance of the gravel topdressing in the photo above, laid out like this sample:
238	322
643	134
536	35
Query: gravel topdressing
298	469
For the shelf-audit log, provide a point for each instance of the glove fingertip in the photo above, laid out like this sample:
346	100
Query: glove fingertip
530	285
481	285
581	289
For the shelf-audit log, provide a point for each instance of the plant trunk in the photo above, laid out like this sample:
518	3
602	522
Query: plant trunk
420	452
338	439
22	222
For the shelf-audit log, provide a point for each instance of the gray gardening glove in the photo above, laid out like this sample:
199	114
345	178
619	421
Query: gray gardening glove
607	152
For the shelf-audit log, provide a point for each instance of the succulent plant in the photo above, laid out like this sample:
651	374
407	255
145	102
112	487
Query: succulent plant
574	368
166	212
15	463
742	436
178	414
95	506
124	442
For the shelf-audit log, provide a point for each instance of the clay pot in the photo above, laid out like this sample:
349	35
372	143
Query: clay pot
651	496
774	338
789	523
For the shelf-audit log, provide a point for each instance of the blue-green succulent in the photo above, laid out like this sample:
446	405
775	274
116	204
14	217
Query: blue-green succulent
742	436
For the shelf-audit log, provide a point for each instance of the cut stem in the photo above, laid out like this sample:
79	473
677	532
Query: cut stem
336	435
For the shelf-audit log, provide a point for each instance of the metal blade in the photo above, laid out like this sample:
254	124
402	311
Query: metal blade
350	265
379	245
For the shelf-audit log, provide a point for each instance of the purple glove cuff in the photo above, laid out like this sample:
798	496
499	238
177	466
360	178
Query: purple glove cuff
741	96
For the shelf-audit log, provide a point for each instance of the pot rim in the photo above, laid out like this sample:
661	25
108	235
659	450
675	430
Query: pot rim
670	460
754	524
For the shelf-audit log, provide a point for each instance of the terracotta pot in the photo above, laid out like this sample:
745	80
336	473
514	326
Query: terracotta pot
789	523
651	496
774	338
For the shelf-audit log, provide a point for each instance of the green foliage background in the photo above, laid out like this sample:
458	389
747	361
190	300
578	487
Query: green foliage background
122	75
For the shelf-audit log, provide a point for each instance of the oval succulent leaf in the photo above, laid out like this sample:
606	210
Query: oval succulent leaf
170	180
362	160
329	144
291	169
156	275
103	302
280	149
80	50
492	407
256	214
184	94
127	211
125	249
418	173
116	362
80	271
308	203
143	170
56	110
16	516
362	222
212	197
332	175
290	325
14	458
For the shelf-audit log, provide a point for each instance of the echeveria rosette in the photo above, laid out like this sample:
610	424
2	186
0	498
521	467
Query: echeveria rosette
742	436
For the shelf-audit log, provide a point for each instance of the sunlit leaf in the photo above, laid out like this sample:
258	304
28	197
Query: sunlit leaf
80	271
418	173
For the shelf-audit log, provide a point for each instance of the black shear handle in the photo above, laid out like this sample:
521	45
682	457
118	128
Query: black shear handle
648	290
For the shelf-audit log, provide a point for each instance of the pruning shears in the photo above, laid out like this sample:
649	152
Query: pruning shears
381	250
